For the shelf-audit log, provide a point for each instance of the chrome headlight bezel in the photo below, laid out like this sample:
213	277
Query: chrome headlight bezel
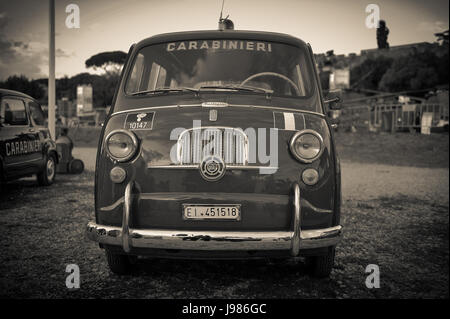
135	144
298	156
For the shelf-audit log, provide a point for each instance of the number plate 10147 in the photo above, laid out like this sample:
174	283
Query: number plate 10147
212	212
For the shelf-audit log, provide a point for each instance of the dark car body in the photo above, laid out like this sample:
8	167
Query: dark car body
279	215
26	147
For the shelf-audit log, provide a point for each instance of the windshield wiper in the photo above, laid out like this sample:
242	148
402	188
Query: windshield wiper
238	88
165	90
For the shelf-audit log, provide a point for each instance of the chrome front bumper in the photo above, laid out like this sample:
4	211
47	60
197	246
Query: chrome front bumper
292	240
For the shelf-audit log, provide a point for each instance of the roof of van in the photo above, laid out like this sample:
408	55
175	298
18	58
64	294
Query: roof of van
219	34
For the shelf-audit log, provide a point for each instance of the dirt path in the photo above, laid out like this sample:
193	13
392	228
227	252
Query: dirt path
394	217
361	181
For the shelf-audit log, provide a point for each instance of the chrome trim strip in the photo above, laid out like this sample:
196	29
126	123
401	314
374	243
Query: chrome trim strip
296	235
307	204
113	205
173	166
214	104
183	196
248	167
229	105
27	161
279	108
173	195
144	108
229	167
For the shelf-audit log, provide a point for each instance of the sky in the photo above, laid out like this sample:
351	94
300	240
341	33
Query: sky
108	25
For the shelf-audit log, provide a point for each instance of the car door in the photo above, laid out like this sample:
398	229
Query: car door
20	149
39	130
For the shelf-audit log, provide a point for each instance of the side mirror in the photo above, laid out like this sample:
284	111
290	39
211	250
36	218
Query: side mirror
332	99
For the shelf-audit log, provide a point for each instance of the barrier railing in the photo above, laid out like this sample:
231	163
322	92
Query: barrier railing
392	117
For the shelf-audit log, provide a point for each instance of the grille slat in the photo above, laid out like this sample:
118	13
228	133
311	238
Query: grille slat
229	144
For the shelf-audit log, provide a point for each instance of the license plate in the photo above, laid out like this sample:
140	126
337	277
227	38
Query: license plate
212	212
139	121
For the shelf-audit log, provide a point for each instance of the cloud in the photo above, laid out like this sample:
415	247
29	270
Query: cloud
60	53
432	26
17	57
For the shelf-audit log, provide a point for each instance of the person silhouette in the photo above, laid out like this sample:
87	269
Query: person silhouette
382	35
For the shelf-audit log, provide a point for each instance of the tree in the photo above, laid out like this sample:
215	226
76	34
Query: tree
22	84
414	72
442	37
368	74
111	62
103	87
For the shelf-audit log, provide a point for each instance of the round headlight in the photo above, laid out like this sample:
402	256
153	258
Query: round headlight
306	145
121	145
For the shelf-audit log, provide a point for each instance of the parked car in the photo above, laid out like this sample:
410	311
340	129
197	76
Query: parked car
183	169
26	147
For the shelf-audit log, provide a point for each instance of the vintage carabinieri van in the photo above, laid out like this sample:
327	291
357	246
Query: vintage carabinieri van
218	146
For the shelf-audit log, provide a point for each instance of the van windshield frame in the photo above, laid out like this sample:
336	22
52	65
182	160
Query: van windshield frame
282	69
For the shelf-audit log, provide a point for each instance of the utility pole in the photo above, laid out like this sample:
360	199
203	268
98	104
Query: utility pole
51	70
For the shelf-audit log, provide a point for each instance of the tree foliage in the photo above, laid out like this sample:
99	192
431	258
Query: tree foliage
22	84
368	74
103	87
415	72
110	62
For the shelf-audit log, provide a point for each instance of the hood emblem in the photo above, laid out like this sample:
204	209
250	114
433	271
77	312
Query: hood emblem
213	115
212	168
214	104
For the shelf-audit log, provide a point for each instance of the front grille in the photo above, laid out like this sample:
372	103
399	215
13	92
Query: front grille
230	144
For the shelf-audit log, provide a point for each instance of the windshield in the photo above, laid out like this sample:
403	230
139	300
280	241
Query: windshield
259	67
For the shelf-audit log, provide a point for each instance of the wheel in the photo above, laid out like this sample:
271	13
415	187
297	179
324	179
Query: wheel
118	264
47	176
321	266
76	166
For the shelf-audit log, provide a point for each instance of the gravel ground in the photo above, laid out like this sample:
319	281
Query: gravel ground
395	217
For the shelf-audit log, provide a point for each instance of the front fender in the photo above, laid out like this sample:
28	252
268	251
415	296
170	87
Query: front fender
50	149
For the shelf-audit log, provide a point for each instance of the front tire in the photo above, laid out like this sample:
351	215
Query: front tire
47	176
118	264
321	266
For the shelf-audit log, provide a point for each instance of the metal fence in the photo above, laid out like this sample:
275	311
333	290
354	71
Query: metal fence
392	117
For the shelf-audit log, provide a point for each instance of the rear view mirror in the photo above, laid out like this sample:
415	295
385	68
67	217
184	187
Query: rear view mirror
333	99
